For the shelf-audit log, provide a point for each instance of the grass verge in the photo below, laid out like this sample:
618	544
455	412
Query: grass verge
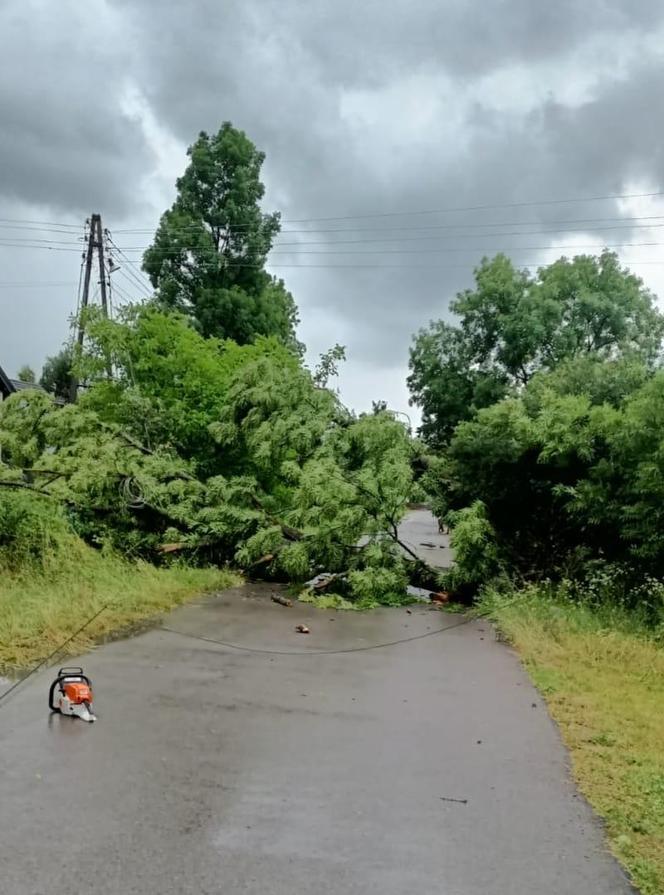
602	675
41	605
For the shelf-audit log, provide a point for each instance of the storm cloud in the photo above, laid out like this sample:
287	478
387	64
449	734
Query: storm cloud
364	110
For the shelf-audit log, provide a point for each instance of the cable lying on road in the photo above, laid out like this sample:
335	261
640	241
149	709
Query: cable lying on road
322	652
51	655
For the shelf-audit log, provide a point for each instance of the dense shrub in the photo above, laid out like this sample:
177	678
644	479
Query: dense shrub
569	476
33	528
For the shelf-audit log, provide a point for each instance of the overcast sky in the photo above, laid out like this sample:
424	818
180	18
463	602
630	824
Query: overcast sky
365	110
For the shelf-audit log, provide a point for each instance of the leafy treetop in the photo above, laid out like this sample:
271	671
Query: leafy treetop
208	256
513	324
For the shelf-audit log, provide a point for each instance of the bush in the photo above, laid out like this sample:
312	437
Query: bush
378	586
476	555
564	482
33	529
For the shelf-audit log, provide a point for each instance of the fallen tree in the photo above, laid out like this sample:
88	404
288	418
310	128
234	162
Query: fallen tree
264	468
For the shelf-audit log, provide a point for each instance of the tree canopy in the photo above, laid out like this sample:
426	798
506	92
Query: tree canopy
209	252
561	479
514	324
56	374
218	452
26	374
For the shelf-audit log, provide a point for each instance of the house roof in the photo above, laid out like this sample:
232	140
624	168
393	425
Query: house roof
9	386
6	386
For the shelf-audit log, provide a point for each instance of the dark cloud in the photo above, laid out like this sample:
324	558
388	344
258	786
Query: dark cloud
349	43
363	109
65	141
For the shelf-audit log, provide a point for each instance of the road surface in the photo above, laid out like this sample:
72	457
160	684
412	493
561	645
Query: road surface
214	770
419	532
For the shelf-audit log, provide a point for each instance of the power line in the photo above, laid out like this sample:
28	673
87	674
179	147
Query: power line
488	235
625	223
321	652
449	210
75	227
184	231
130	280
140	279
485	249
280	245
38	284
21	228
467	208
455	250
389	214
57	650
32	243
49	248
35	239
281	266
132	277
123	294
444	250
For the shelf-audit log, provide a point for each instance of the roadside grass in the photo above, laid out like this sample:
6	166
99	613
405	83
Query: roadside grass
41	604
602	675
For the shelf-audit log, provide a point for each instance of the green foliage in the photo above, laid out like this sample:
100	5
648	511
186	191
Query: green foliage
209	252
32	528
351	482
170	384
327	601
56	374
329	365
22	439
219	452
446	381
570	477
274	416
26	374
514	324
476	556
375	586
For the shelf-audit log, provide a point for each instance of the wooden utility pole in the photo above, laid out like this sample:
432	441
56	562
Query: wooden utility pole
95	244
85	297
96	218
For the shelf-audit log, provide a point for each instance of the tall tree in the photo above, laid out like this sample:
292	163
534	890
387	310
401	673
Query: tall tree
56	374
513	324
26	374
209	252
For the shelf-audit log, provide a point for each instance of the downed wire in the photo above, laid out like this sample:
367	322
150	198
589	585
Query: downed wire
322	652
50	656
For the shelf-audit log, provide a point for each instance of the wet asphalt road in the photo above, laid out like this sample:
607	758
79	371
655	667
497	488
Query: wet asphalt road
218	771
419	532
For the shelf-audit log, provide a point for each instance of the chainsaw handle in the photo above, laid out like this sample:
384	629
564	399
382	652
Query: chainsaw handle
65	672
53	707
73	671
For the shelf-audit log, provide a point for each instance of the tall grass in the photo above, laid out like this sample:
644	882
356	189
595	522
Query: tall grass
40	609
601	671
51	583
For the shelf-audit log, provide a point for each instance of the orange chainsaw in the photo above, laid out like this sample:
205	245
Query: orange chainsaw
71	694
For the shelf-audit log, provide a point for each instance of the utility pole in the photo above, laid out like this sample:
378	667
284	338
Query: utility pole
89	252
95	244
102	269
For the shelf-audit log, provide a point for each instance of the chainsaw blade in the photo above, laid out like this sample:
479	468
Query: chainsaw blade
83	712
